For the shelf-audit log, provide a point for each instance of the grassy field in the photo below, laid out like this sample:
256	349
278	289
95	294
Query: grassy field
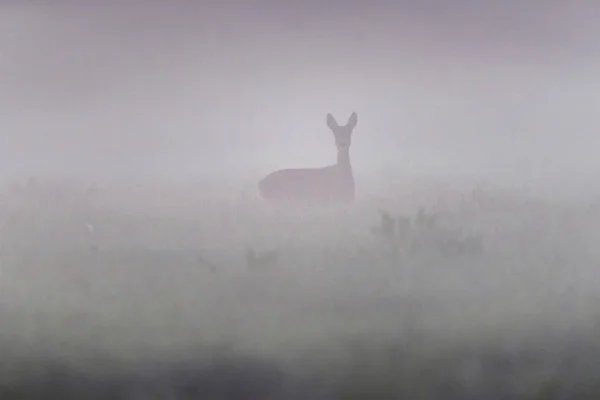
149	292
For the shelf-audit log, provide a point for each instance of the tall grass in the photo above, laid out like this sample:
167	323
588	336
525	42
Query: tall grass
160	299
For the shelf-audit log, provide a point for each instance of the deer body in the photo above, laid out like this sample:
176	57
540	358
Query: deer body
331	184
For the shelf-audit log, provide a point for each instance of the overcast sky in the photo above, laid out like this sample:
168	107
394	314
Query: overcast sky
184	87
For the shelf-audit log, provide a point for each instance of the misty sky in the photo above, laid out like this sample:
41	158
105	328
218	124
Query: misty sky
184	87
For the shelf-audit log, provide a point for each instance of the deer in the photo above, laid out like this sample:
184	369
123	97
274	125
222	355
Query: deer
328	185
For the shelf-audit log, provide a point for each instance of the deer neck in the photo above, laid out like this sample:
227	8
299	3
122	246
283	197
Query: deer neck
345	168
343	161
345	182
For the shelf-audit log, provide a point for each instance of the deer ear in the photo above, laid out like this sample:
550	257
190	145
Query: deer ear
331	122
352	121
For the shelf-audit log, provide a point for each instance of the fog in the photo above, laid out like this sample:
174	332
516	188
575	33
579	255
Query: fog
483	113
179	89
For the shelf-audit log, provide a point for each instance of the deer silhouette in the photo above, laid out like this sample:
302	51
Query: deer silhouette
331	184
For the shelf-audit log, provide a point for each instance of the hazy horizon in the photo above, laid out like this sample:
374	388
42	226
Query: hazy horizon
229	88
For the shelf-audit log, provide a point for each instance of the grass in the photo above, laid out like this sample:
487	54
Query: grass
340	370
160	301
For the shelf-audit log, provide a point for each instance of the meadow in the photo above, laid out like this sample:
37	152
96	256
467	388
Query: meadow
198	291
